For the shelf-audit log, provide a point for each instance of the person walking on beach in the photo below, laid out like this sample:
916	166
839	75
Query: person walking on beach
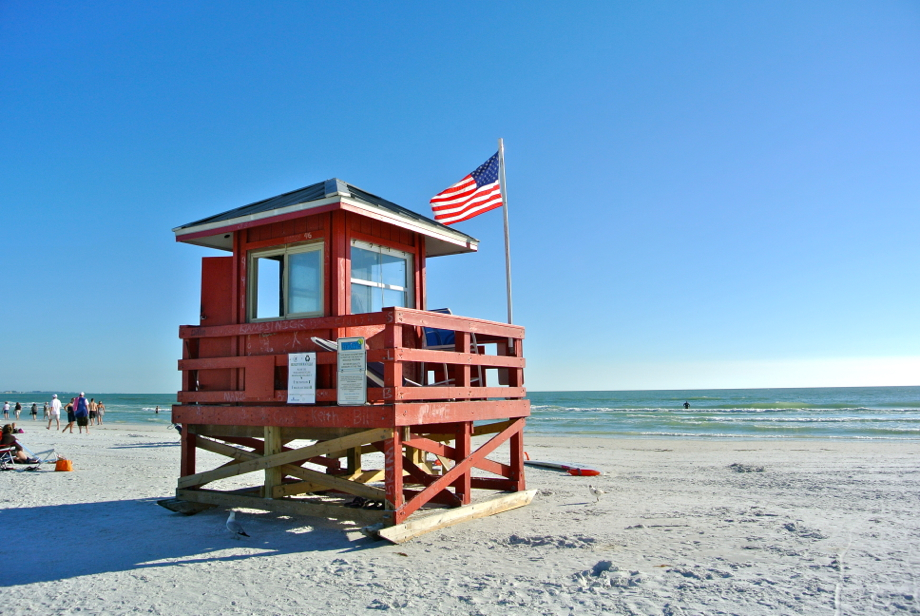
71	418
18	410
45	416
81	412
34	411
55	413
6	410
100	412
92	411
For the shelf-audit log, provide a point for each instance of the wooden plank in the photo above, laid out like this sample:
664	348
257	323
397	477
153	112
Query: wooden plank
287	434
343	484
448	393
297	487
339	417
286	325
183	507
263	462
423	318
283	505
401	533
348	417
443	357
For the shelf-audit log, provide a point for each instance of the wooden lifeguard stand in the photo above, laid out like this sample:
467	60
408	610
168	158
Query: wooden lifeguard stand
330	261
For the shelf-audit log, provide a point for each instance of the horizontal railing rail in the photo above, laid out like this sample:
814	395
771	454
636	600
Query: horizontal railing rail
258	376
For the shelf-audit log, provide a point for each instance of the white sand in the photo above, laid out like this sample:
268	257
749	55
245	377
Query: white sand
827	527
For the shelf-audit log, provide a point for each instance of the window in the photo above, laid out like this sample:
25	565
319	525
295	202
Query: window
286	282
380	277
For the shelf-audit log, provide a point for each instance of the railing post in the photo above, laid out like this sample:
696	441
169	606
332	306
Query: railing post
392	369
462	371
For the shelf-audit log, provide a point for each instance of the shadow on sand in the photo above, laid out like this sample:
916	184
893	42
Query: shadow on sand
64	541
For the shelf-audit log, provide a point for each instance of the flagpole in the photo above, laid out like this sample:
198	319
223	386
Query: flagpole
501	184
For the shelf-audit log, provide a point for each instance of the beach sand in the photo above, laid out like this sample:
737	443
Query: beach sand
826	527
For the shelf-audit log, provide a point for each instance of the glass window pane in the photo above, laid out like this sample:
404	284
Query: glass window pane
394	271
268	294
394	298
361	298
305	282
364	264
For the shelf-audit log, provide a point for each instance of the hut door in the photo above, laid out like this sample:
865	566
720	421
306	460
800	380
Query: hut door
216	309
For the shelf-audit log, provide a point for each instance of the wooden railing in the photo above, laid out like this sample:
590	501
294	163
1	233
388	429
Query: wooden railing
247	363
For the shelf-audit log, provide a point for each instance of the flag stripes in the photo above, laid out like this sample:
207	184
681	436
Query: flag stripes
476	193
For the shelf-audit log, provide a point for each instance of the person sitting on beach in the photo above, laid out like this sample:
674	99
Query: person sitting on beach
10	441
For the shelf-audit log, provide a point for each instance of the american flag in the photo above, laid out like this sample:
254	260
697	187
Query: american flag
476	193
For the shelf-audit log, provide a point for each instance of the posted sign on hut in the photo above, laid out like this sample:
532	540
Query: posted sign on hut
351	384
301	378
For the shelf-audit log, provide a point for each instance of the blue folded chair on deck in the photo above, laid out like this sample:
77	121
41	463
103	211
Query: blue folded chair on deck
446	340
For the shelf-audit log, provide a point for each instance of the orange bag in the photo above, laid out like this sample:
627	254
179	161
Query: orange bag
63	465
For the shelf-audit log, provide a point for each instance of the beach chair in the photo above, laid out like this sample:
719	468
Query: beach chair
6	457
445	340
374	370
48	456
8	460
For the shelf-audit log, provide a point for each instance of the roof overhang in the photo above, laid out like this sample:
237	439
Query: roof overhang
439	240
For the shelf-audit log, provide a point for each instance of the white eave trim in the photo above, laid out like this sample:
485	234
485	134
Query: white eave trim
452	237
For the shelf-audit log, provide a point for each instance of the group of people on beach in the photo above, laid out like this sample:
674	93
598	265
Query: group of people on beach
80	411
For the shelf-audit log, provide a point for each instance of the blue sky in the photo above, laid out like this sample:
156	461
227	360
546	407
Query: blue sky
702	195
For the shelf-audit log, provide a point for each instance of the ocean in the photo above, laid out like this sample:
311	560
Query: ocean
855	413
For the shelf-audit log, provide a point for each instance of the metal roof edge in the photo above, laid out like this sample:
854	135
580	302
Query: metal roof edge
306	205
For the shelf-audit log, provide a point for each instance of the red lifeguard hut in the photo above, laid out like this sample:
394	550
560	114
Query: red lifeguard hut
308	268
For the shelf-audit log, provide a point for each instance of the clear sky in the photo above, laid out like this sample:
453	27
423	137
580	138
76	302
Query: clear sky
702	194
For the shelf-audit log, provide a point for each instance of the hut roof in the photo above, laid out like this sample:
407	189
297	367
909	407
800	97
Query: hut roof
215	231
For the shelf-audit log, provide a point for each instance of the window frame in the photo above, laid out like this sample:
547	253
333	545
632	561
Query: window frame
408	257
252	291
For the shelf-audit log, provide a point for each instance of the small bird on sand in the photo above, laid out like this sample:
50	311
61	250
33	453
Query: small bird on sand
597	492
235	527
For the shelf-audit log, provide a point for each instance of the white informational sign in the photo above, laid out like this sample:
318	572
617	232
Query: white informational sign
351	384
301	378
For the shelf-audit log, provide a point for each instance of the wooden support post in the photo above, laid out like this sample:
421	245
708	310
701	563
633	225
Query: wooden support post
393	469
187	455
354	460
273	445
463	447
517	458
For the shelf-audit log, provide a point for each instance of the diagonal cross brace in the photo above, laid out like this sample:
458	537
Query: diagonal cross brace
285	457
461	467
